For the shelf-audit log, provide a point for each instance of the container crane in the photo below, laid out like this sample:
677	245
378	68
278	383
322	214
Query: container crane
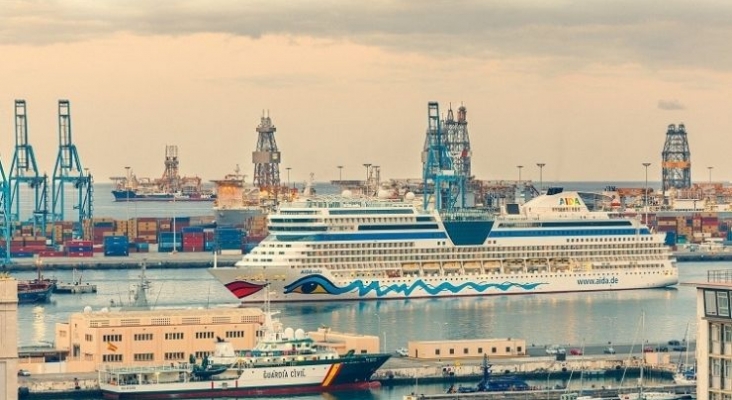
24	169
68	170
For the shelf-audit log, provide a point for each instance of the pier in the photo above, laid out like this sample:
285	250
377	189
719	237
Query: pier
133	261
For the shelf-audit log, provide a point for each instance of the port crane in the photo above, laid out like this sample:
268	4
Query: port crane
24	169
68	170
438	171
5	209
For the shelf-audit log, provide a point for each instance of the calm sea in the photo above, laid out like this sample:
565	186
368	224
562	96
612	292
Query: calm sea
570	319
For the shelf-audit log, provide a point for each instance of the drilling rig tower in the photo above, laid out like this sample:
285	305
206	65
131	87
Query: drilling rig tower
266	158
676	160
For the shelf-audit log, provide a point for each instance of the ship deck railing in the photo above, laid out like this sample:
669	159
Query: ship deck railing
175	367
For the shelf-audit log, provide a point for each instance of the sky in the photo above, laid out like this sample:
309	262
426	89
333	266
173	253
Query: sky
587	87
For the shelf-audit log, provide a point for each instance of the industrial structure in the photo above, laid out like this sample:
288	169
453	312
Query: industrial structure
458	141
24	169
445	160
676	160
5	209
266	158
68	170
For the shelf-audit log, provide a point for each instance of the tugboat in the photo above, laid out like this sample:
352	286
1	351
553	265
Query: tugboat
36	290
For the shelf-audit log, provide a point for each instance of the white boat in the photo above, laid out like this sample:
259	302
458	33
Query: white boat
326	248
642	395
284	362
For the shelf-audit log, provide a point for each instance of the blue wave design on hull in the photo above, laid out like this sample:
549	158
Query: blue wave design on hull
318	284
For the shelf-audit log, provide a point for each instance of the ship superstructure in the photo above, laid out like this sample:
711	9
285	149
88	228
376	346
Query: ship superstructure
338	248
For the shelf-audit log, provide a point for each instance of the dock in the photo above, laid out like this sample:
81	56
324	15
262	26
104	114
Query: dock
133	261
683	391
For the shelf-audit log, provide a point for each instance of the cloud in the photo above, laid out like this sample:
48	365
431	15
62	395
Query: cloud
670	105
658	35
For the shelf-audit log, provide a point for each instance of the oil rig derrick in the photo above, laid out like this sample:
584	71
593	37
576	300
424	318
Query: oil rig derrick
68	170
266	158
170	182
676	160
438	170
458	141
24	169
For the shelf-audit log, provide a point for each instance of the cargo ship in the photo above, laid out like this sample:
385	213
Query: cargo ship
348	248
171	187
283	362
236	202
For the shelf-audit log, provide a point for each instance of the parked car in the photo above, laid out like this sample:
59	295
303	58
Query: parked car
679	348
555	349
662	349
402	351
609	350
674	343
23	372
648	349
576	352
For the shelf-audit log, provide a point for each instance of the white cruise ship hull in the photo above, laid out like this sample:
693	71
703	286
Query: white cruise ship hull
288	284
348	249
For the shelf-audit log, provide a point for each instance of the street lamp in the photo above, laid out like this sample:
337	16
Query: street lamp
520	192
645	190
541	177
519	169
340	173
366	182
710	174
288	176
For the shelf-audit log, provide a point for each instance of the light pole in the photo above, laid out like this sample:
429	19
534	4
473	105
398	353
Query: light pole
366	182
340	173
288	176
710	175
175	249
384	333
541	177
520	192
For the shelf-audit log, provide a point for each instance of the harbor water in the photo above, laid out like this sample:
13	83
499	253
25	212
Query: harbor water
569	319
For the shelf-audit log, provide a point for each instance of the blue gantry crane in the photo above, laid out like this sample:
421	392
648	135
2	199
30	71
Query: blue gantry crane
438	170
24	169
68	170
5	210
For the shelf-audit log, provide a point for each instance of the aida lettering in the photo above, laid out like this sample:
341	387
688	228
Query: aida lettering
569	201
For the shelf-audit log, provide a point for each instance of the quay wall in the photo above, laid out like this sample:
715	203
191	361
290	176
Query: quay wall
400	371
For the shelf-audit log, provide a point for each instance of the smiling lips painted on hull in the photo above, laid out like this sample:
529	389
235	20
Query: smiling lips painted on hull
242	289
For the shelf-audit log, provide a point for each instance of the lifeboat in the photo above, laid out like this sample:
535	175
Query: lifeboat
431	266
472	265
492	266
451	266
410	267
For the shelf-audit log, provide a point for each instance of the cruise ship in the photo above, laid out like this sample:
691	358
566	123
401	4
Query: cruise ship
330	248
